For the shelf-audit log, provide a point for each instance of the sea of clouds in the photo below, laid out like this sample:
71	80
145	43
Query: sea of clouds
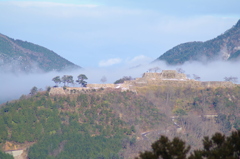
13	85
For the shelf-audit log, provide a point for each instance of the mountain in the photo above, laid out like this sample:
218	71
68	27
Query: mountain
22	56
226	47
95	124
113	124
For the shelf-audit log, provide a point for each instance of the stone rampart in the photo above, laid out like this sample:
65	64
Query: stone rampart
101	86
169	78
164	75
56	90
90	87
76	90
218	84
172	74
170	83
68	90
174	79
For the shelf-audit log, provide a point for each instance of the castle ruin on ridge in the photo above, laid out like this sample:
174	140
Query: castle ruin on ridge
169	78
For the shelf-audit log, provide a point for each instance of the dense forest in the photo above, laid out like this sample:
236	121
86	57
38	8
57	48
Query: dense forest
108	123
89	125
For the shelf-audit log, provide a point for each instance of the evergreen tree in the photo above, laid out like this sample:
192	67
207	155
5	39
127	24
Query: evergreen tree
219	147
70	79
64	79
56	80
34	90
81	80
166	149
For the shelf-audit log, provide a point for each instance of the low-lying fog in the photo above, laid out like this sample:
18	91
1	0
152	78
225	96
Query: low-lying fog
13	86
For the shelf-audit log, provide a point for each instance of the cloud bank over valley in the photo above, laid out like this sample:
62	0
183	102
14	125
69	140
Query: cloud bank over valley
14	86
114	38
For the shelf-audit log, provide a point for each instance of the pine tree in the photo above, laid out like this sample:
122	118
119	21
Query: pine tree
166	149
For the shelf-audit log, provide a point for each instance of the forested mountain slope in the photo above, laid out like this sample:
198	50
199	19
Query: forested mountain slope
226	47
22	56
108	123
96	124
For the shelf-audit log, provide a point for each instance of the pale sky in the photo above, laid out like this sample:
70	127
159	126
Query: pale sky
111	33
108	36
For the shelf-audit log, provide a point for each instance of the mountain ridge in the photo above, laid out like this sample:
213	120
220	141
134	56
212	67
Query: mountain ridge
22	56
222	47
125	122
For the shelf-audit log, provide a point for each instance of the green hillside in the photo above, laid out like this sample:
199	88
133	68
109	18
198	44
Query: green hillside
114	124
18	55
87	125
225	47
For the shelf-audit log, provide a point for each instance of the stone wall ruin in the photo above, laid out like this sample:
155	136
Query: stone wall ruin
166	78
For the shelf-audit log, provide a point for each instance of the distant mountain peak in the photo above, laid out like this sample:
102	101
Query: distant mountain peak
238	24
22	56
224	47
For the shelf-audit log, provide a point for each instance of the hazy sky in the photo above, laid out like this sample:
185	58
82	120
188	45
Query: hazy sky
107	37
111	33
